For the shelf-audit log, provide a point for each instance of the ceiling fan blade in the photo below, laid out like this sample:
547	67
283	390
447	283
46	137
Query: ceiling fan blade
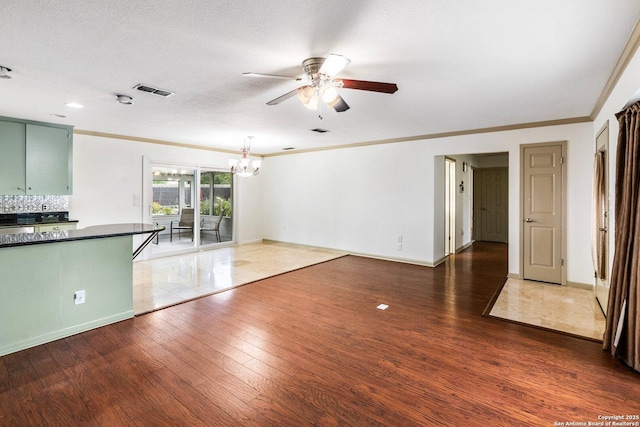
340	105
333	65
272	76
284	97
370	86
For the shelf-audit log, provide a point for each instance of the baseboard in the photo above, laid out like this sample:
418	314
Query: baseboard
401	260
249	242
579	285
514	276
300	245
63	333
463	247
362	254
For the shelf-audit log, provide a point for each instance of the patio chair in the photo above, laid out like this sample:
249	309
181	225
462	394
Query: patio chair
215	227
184	223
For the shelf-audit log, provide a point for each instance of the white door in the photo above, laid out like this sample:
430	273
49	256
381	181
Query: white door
543	213
601	219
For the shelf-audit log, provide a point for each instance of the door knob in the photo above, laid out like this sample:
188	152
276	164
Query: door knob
603	229
529	220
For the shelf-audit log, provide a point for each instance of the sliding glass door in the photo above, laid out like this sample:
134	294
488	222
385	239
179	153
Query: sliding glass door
172	196
194	205
216	207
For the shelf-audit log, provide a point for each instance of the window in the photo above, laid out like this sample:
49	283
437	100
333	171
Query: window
172	190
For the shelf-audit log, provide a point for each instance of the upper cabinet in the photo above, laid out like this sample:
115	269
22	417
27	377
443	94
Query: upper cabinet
12	157
35	158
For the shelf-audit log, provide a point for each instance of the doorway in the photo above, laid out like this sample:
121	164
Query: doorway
491	204
543	208
216	207
173	206
195	205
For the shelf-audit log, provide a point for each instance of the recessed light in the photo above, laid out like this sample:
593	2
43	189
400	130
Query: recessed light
74	105
124	99
4	72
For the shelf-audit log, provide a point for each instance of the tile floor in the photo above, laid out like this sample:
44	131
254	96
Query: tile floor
162	282
561	308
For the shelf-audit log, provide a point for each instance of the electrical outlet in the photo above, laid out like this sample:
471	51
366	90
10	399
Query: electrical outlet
79	297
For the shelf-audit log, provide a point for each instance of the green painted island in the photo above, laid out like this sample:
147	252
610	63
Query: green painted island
42	276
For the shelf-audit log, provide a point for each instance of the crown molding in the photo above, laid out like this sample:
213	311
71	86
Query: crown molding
630	49
504	128
156	141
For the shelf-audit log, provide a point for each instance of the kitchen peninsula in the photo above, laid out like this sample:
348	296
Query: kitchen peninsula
59	283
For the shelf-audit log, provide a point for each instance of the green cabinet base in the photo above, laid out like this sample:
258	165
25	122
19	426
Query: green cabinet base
38	285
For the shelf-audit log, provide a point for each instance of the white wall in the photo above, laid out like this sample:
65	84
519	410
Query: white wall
361	199
108	175
356	199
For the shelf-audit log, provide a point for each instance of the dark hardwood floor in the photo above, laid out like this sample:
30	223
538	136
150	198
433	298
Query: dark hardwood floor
310	348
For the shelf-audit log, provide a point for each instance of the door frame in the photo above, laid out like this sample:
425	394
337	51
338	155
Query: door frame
563	233
234	218
450	207
147	199
597	282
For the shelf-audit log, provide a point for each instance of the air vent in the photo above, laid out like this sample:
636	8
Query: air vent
319	130
288	148
153	90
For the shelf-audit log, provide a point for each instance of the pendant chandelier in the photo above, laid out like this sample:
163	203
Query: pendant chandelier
245	166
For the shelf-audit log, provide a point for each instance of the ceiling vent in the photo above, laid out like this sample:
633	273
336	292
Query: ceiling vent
153	90
319	130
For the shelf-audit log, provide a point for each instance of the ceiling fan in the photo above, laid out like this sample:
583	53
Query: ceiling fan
320	84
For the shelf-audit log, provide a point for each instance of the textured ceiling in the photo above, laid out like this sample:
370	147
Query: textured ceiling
459	65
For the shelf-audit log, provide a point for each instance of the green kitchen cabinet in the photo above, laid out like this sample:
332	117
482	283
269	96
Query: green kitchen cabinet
12	158
36	158
49	168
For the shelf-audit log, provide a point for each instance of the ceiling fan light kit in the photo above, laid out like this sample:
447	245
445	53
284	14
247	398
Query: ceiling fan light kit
329	94
320	83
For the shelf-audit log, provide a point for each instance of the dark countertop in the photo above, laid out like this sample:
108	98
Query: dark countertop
37	218
95	232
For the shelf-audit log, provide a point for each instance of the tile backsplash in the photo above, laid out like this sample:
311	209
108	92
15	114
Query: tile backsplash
32	204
